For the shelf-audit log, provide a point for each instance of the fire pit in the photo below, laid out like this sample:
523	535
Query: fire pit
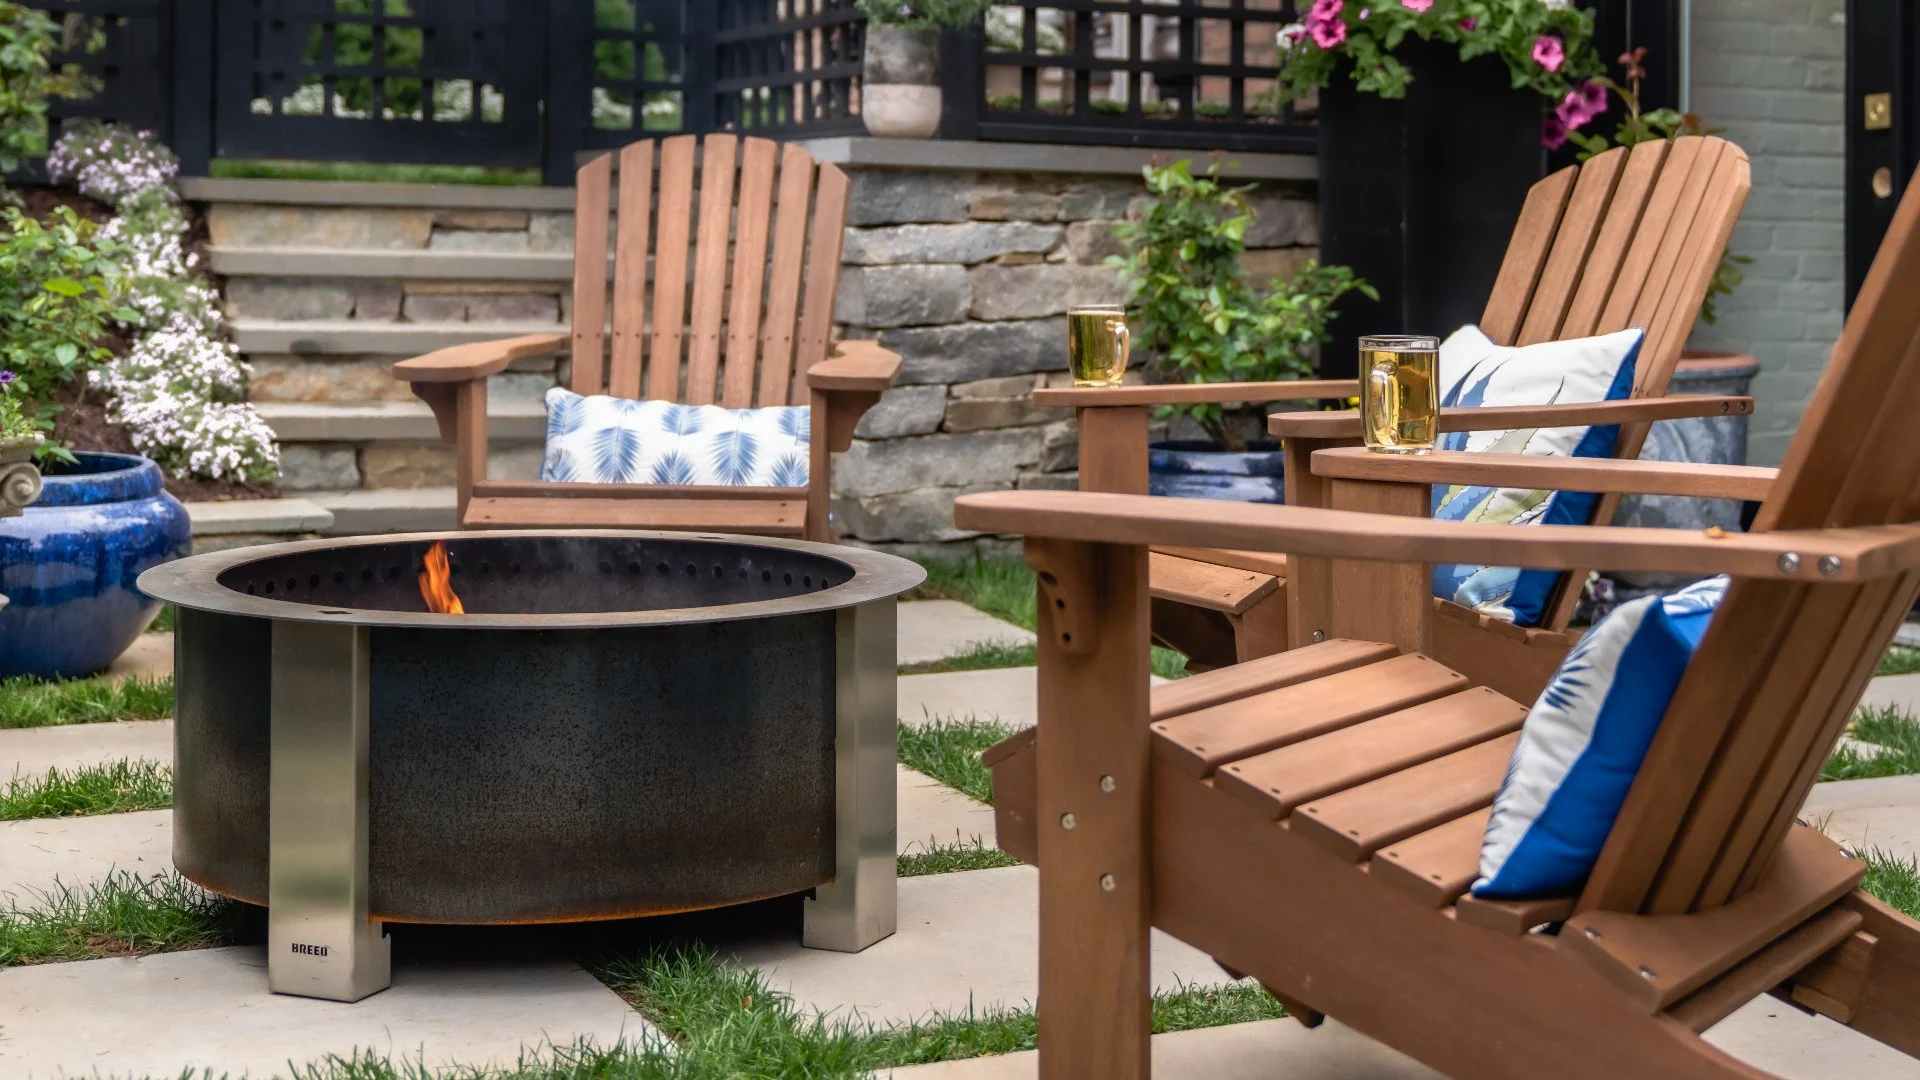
620	724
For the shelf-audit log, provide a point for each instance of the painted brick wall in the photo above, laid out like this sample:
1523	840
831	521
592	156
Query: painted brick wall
1772	72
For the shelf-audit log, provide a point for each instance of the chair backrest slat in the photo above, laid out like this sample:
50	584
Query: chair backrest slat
710	267
594	182
1569	261
630	270
823	264
749	271
1687	232
1526	256
783	289
1636	267
1630	196
1772	683
671	248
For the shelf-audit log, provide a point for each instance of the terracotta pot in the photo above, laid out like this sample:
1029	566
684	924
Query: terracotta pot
900	82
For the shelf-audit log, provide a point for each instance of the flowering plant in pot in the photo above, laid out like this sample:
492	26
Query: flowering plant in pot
1199	320
900	69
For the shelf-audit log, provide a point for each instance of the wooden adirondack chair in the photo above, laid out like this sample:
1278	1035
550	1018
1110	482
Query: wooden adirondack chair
1313	818
751	339
1630	238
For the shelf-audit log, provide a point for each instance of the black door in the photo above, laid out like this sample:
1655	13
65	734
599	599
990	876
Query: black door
1883	122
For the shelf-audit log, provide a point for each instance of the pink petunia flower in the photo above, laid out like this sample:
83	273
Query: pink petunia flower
1324	24
1581	105
1469	23
1549	53
1553	132
1416	5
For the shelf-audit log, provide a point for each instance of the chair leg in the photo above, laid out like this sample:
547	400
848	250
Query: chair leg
1261	630
1205	637
1885	1004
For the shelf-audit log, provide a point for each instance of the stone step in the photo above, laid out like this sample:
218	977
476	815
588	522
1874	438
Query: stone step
413	265
355	336
375	421
241	517
385	510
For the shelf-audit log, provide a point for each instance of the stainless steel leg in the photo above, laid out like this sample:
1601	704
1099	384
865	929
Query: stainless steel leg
321	941
860	907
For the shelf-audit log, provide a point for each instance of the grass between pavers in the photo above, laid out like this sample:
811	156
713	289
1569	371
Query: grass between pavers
123	914
114	788
28	702
1900	660
163	622
948	750
1890	727
935	857
1893	879
1002	588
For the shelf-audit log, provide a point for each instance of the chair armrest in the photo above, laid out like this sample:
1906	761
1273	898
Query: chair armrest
1091	397
1606	475
460	363
1346	423
855	365
1851	554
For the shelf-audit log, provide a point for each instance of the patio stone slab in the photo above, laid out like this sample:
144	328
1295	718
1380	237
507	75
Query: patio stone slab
1880	813
38	854
158	1015
149	657
1766	1033
965	939
936	629
932	811
1898	690
30	752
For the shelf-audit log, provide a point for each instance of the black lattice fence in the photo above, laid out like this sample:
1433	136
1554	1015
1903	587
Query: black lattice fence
641	82
380	80
124	47
1177	73
788	67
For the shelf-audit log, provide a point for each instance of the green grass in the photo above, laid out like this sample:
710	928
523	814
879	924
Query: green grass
1003	588
255	169
123	915
979	656
162	623
1894	880
27	702
1900	660
938	858
114	788
1888	726
948	749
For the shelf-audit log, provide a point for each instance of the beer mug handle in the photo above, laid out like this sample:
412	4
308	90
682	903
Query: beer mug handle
1379	397
1124	335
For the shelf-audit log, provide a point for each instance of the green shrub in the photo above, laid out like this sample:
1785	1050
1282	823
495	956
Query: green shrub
924	14
56	306
28	40
1197	317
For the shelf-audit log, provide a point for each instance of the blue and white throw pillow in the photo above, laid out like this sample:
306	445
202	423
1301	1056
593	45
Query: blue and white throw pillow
1583	743
1475	371
596	439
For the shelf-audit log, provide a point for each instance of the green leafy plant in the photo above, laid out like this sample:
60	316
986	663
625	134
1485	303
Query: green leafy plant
1547	44
1196	314
28	78
56	308
924	14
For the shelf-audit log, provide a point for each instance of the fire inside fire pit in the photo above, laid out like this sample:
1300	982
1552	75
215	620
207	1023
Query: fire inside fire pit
601	725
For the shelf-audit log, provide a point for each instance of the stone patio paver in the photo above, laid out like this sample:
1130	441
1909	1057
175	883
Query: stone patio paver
1880	813
40	853
930	810
1899	690
158	1015
30	752
149	657
1766	1033
936	629
965	939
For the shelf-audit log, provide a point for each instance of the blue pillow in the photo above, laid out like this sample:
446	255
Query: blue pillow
1475	371
597	439
1583	743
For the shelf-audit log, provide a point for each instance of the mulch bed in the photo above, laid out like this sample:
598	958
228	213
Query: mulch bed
82	422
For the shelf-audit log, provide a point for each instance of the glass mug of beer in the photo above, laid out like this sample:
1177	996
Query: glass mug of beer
1097	345
1399	393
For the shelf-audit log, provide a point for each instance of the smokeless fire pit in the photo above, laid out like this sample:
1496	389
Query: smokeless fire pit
620	724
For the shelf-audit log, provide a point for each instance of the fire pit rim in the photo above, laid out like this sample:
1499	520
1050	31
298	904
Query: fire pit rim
193	583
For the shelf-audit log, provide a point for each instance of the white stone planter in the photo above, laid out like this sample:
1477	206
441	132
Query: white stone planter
19	479
900	82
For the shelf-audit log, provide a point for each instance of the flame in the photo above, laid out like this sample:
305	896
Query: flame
436	583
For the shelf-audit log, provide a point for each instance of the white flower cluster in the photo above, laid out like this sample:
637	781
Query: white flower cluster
177	391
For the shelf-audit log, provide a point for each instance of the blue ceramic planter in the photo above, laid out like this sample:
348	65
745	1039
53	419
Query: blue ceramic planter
67	565
1192	469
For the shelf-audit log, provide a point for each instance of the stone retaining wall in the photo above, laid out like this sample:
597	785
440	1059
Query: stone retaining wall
968	275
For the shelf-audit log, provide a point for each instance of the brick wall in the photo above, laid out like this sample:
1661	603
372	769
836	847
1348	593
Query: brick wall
1772	72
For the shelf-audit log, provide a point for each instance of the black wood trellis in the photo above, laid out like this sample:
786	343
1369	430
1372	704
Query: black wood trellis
788	67
131	69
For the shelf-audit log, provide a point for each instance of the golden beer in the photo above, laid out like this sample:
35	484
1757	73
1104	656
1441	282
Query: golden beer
1097	345
1399	393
